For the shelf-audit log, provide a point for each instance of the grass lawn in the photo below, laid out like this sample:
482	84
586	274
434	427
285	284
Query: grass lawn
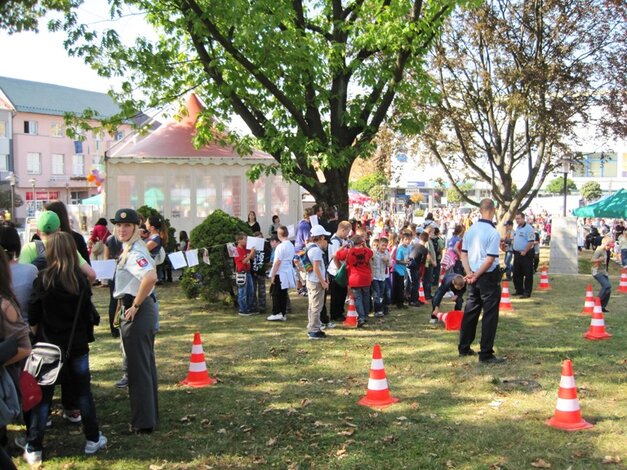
286	402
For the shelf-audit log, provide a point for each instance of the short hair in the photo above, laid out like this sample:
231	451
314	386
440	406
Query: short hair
257	234
486	204
345	224
317	238
283	231
357	240
459	281
240	235
424	236
521	213
383	240
10	241
330	212
509	222
316	208
406	235
308	212
275	218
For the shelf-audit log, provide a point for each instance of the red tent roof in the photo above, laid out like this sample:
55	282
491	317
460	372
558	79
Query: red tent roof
173	139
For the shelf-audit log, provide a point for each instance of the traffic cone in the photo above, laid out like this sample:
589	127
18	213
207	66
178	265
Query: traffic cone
442	272
197	376
623	281
351	315
452	320
378	394
588	306
567	414
544	280
597	324
421	294
506	301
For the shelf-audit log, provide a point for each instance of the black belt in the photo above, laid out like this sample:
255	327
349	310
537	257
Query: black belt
128	300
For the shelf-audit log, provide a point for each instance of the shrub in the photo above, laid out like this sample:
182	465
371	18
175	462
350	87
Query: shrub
214	280
147	211
419	213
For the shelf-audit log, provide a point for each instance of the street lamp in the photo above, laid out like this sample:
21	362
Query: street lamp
33	182
67	193
12	180
566	167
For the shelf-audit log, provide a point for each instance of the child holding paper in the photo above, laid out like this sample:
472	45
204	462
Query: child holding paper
258	272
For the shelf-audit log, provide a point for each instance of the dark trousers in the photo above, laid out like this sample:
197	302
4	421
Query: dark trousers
338	296
259	292
427	277
606	289
398	290
523	272
484	294
279	297
113	304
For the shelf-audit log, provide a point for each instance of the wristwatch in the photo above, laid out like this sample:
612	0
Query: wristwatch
137	306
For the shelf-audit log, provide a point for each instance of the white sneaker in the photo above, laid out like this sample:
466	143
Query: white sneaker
378	314
93	447
72	416
433	321
277	317
329	325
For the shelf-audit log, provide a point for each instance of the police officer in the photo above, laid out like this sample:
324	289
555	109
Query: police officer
135	279
480	257
522	244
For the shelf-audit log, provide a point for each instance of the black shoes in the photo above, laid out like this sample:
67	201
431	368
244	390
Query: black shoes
469	352
493	360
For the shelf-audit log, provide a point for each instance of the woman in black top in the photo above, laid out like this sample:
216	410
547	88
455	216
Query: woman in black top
252	222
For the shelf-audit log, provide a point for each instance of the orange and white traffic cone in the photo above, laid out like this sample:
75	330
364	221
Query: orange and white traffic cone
567	414
597	324
351	315
588	306
197	376
623	281
442	273
421	294
506	301
452	320
378	393
544	280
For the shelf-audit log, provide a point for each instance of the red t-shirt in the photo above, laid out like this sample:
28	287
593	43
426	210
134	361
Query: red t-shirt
358	264
239	260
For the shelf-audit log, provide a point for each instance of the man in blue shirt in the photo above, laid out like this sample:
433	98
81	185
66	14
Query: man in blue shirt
522	245
480	257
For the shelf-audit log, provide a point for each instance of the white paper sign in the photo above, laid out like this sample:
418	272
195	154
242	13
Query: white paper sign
177	259
313	219
290	231
192	257
205	257
255	242
232	249
105	269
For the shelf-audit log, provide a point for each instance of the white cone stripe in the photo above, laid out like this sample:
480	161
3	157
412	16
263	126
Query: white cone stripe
377	384
567	381
565	404
197	367
589	304
197	349
377	364
596	322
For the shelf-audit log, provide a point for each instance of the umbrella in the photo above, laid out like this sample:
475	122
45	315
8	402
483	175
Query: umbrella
611	207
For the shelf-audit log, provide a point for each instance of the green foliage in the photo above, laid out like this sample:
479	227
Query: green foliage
147	211
453	195
366	183
379	192
591	191
419	213
5	200
556	186
213	280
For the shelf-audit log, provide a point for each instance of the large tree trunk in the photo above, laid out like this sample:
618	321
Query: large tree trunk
334	192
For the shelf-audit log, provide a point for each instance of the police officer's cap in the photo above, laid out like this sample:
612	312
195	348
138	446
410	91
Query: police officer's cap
126	216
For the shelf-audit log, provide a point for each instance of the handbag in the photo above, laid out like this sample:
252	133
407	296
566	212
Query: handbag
341	276
46	359
30	391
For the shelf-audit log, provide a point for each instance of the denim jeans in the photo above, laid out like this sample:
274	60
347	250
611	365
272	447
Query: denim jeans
606	288
259	292
509	255
245	295
362	301
382	294
77	369
623	257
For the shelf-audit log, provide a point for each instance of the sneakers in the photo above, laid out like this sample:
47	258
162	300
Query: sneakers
123	382
32	457
93	447
245	314
493	360
433	321
329	325
74	416
469	352
277	317
316	335
378	314
302	292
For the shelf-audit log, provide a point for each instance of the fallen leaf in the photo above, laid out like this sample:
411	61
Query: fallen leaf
350	424
539	463
305	402
272	441
611	459
496	403
341	453
348	432
221	431
389	439
245	428
450	464
259	460
402	418
291	411
414	405
320	424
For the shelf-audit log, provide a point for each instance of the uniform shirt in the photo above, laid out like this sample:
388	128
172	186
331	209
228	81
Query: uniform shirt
523	235
481	240
402	253
128	276
315	254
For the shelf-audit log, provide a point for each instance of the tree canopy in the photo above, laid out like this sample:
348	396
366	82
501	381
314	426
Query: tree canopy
312	80
514	79
366	183
556	186
591	191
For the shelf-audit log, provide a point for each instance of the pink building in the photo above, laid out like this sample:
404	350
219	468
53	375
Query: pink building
46	163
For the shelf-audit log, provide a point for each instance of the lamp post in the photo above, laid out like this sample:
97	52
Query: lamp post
12	180
67	193
33	182
566	163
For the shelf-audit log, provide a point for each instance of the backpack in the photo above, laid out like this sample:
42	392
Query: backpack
160	258
302	261
40	261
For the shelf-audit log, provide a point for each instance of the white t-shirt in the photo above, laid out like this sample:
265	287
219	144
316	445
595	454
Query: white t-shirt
285	253
128	276
315	254
334	246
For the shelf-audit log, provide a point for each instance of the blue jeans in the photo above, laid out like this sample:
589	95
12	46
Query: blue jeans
362	301
623	257
606	288
382	295
509	255
245	295
78	370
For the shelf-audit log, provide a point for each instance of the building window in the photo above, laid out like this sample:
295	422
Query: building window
30	127
3	129
206	197
154	195
231	195
257	197
181	197
57	129
595	165
119	135
78	165
58	164
4	163
33	163
280	196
